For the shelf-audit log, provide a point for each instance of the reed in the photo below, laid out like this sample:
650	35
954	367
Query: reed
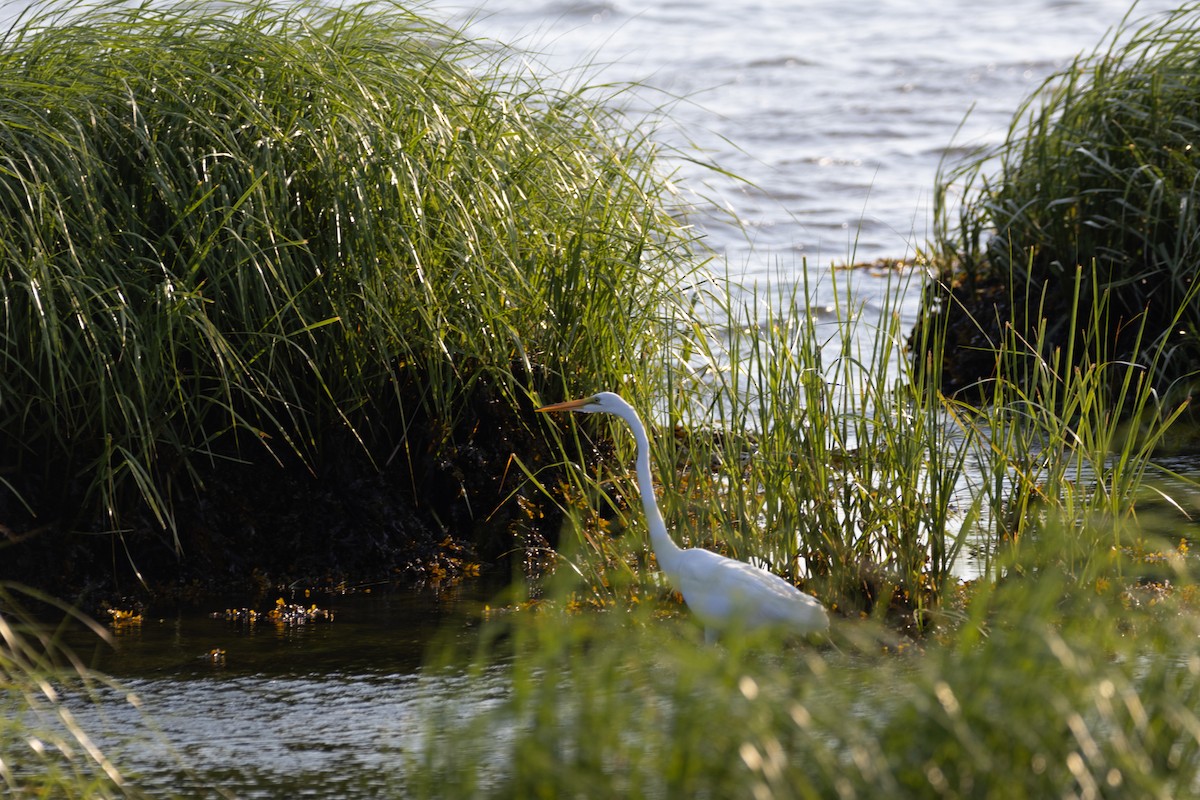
1058	447
817	448
850	481
352	227
1056	662
1098	171
242	231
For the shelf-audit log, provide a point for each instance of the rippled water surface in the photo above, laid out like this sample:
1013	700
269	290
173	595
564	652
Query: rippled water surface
837	114
324	709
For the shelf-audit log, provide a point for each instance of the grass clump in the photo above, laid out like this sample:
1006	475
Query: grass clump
1049	693
1099	171
1010	622
847	482
813	446
1062	668
306	236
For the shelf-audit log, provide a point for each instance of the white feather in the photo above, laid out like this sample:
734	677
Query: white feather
723	593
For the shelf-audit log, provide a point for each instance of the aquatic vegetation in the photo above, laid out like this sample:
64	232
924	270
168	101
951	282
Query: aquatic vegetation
282	613
1051	655
1092	194
723	593
857	479
244	241
295	234
1047	692
800	444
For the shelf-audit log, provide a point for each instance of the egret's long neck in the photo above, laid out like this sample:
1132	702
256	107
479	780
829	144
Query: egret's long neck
665	550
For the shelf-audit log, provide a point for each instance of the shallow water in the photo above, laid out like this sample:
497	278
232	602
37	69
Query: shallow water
205	706
381	631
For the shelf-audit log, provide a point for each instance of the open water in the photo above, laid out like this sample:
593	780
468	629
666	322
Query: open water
835	116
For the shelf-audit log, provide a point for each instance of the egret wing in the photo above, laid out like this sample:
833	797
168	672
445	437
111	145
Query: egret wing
723	592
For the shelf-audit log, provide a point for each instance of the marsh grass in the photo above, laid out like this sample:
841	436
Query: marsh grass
1053	662
802	444
1098	171
302	261
1070	435
244	232
818	450
1049	692
850	456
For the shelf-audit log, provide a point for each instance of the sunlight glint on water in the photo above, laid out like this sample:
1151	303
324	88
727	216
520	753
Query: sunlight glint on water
836	113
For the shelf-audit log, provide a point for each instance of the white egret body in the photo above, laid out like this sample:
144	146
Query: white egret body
722	592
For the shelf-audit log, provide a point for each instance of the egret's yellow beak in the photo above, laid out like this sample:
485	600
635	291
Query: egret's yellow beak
569	405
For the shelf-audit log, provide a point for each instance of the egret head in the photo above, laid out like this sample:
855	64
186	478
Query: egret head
603	402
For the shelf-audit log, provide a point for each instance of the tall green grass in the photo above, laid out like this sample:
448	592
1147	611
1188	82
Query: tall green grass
1011	622
1063	668
357	255
1071	438
1048	692
1098	171
818	449
851	480
249	231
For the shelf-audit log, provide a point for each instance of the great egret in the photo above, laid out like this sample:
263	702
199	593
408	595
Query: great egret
722	592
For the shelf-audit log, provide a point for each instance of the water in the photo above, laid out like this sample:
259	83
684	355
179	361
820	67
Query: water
208	707
835	114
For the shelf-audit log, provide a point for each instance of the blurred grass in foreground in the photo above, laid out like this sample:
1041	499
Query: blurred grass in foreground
1043	691
44	750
